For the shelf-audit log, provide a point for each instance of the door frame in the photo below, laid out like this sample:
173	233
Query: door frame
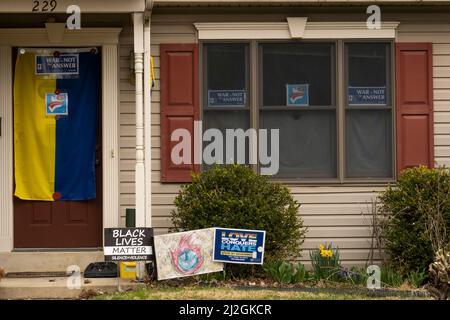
108	40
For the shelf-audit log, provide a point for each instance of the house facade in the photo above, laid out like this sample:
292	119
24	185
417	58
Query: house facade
356	99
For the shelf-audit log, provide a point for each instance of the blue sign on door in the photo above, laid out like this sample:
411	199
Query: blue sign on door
56	104
229	98
63	64
239	246
366	95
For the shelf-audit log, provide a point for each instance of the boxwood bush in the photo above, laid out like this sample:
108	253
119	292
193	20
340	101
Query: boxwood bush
234	196
421	196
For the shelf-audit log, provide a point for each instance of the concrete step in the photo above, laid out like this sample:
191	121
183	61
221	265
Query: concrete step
60	287
48	261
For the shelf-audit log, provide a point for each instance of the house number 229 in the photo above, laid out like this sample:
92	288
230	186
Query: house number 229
74	11
44	6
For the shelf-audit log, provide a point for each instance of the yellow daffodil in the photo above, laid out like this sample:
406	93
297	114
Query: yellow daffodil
321	247
326	253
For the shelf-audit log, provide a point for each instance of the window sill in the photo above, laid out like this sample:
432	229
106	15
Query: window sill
335	182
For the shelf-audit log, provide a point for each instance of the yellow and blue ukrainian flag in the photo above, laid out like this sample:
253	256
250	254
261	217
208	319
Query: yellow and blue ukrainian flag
54	155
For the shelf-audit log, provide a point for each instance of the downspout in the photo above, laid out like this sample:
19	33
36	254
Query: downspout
148	113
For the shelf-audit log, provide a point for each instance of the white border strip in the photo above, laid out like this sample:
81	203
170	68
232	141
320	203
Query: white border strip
281	30
6	150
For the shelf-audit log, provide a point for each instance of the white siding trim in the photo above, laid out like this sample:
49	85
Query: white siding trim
139	175
148	124
82	37
6	158
297	26
281	30
110	134
162	3
85	5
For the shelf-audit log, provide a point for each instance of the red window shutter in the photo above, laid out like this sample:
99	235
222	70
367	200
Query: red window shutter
179	105
414	86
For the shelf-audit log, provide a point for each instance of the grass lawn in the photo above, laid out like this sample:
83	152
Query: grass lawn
224	293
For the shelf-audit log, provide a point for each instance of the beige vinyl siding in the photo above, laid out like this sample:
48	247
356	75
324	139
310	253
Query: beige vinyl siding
127	136
441	85
338	214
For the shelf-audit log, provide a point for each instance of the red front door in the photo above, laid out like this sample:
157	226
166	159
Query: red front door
60	224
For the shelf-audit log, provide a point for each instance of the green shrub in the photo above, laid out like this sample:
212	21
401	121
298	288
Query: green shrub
234	196
418	217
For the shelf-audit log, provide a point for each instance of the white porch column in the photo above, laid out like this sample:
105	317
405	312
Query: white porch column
110	136
6	157
148	121
140	192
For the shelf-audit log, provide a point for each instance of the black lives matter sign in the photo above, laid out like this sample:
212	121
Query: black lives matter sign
128	244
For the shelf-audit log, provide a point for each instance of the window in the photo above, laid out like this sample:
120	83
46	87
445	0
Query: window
226	92
332	126
368	113
298	99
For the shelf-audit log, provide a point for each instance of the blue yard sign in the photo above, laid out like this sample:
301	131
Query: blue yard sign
63	64
297	95
228	98
367	95
239	246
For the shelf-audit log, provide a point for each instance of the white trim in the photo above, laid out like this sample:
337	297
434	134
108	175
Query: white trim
282	30
247	2
110	135
139	176
147	124
108	39
98	6
82	37
297	26
6	157
55	32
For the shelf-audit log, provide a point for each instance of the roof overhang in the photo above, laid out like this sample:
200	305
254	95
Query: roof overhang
86	6
268	3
